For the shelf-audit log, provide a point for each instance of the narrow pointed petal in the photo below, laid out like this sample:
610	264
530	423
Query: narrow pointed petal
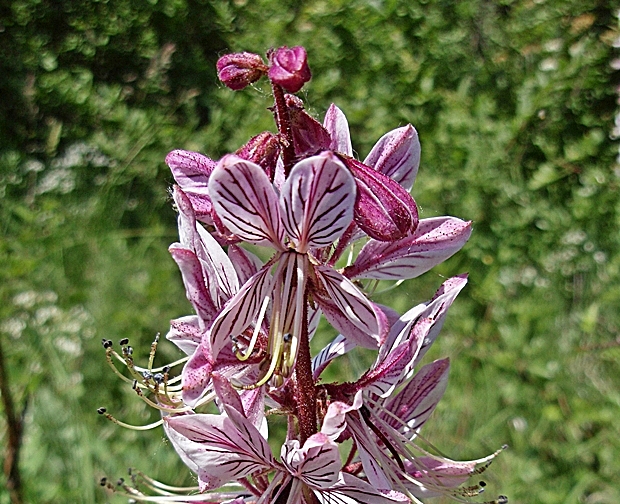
246	202
347	306
339	346
384	209
185	333
191	170
437	310
397	155
390	371
240	311
352	490
309	136
418	399
434	241
194	281
218	448
317	463
337	126
317	202
437	475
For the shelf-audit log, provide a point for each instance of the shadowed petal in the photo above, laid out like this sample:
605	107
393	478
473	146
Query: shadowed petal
384	209
317	202
337	126
418	399
434	241
397	155
245	201
354	307
196	376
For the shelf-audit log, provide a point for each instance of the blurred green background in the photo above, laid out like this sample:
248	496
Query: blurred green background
515	104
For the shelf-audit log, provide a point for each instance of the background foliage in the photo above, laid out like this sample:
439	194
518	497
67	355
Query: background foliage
514	102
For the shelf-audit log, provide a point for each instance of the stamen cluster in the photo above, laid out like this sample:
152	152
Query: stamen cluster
331	227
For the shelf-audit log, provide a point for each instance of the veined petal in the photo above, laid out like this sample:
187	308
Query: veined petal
317	202
435	476
418	399
339	346
222	451
397	155
246	201
434	241
353	305
194	281
352	490
191	170
384	209
317	463
337	126
185	333
240	311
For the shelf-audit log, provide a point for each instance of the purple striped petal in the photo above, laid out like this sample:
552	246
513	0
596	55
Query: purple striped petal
317	202
351	489
246	201
347	306
222	451
240	311
337	126
434	241
418	399
191	170
397	155
317	463
339	346
194	281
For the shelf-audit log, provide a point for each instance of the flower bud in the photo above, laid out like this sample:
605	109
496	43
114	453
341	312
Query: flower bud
237	70
263	149
289	68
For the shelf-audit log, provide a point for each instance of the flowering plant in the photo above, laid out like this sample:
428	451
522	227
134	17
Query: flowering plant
332	225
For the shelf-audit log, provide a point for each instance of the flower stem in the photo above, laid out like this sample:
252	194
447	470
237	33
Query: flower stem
283	122
304	384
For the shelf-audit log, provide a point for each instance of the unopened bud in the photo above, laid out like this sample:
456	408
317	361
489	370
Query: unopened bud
237	70
289	68
263	149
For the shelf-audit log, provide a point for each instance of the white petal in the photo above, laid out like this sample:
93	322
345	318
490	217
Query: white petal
317	202
246	201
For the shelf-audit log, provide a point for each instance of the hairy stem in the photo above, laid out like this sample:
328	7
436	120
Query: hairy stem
283	122
304	384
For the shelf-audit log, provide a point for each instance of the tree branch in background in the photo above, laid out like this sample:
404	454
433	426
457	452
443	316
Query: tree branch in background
15	425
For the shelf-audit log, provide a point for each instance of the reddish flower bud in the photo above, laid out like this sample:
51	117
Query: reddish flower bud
237	70
263	149
289	68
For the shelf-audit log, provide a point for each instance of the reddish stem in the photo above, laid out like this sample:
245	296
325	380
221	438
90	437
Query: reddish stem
304	384
283	122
